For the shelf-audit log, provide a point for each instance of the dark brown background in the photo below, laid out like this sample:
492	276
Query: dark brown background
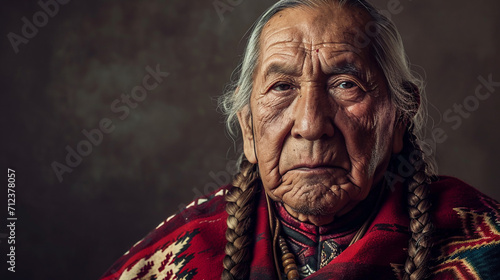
161	155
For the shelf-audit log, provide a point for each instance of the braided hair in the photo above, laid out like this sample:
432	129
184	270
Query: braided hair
419	205
240	207
406	93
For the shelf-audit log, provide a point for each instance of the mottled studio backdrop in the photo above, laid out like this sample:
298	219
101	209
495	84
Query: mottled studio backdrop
66	73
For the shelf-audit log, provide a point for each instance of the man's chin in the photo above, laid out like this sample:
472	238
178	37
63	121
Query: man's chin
308	210
315	205
316	214
318	200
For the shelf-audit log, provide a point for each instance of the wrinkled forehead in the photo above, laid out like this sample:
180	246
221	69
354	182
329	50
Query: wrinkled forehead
328	26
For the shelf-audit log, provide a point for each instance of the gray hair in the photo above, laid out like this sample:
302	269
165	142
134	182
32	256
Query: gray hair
380	34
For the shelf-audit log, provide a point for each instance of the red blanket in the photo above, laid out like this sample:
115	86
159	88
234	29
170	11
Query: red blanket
190	245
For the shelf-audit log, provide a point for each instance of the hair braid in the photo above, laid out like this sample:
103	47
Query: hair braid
240	207
421	227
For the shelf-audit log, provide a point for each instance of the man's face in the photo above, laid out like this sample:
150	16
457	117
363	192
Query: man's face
323	123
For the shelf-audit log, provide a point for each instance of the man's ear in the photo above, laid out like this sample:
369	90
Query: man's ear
246	125
397	136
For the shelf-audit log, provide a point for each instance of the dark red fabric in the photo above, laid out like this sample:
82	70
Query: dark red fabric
190	245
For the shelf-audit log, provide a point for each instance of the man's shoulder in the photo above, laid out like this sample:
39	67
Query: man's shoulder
452	197
454	192
467	237
451	184
170	247
210	207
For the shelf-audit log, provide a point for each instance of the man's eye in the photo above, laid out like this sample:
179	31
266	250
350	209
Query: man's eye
282	87
346	85
347	90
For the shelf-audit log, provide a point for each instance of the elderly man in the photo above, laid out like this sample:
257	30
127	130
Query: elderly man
333	182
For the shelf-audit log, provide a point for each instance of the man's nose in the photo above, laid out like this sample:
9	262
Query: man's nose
314	114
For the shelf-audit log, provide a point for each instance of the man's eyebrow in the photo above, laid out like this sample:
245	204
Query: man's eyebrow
347	68
280	68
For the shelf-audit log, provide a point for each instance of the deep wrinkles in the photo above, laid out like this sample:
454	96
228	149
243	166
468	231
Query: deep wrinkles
313	205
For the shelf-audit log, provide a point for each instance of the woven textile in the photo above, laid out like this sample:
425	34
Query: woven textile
190	245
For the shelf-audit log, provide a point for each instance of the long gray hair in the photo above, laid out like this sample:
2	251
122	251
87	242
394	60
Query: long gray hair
406	93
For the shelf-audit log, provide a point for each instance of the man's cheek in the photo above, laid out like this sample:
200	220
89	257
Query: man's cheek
285	186
273	125
268	151
269	170
360	145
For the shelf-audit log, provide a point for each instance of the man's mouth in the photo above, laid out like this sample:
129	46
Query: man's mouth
318	169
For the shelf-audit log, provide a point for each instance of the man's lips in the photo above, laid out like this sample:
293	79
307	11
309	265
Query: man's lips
316	168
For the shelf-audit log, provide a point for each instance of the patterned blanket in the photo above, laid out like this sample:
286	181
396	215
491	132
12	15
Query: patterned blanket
190	244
